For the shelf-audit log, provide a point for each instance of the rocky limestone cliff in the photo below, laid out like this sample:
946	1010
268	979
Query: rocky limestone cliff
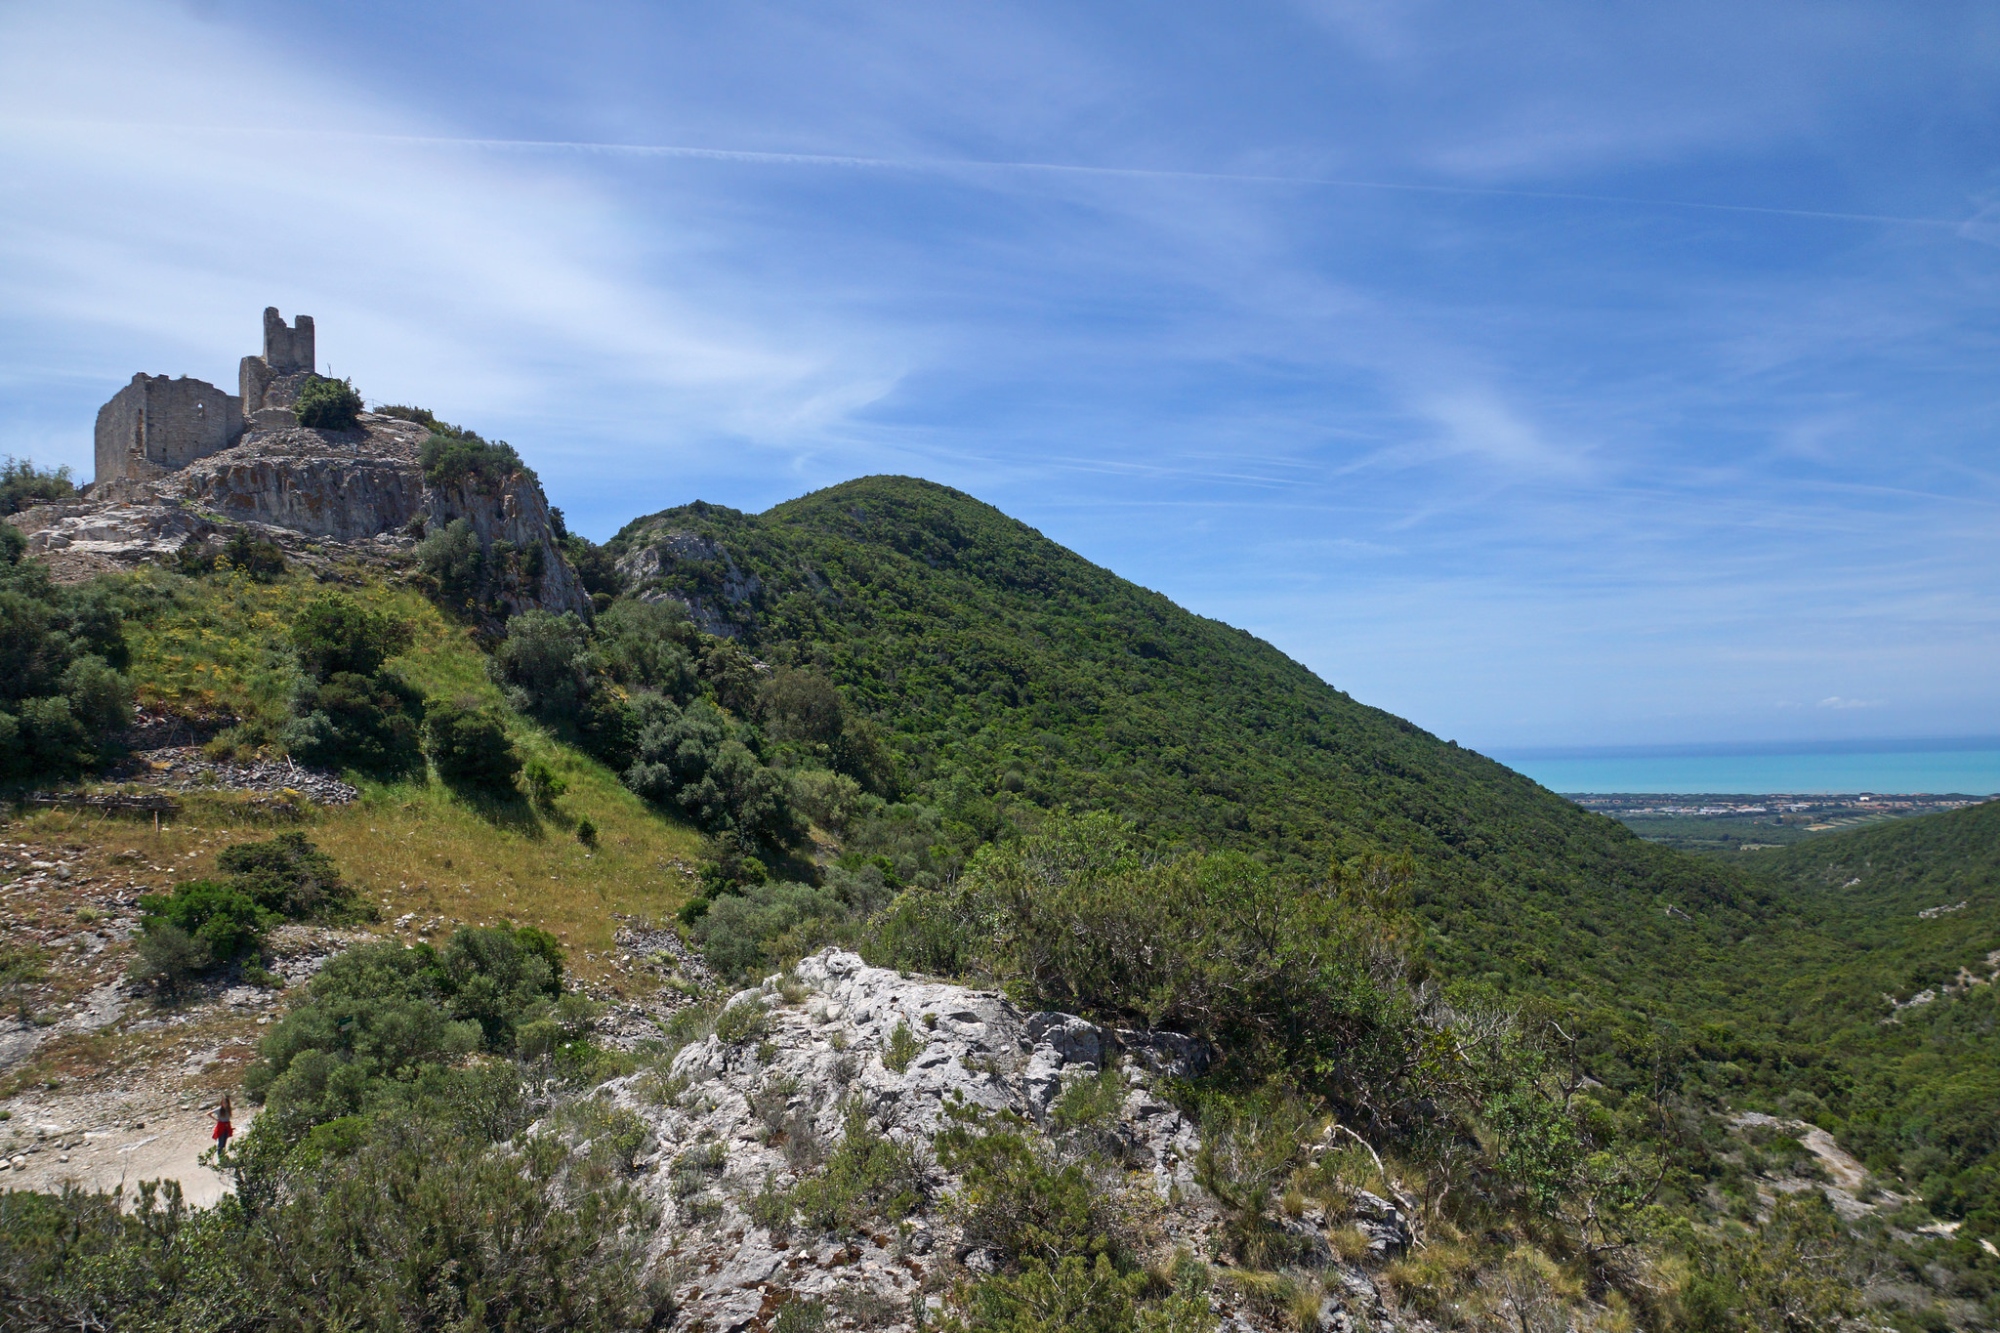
733	1119
317	493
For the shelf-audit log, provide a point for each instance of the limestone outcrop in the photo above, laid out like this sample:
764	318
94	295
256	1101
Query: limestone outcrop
836	1039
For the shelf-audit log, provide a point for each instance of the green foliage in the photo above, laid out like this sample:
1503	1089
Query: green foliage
328	404
403	1223
545	664
696	759
548	668
1090	1103
226	922
902	1047
544	785
369	723
650	646
203	924
335	634
1011	1200
741	1022
468	744
754	930
169	959
23	485
63	697
1283	978
260	559
382	1024
453	557
289	876
867	1177
451	456
350	712
1795	1272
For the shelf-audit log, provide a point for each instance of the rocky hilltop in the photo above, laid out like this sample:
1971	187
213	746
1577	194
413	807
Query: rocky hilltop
837	1059
181	464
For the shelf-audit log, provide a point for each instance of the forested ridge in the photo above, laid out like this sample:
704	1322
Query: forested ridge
1015	677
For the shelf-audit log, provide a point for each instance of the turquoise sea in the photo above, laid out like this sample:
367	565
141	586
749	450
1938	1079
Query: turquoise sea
1934	767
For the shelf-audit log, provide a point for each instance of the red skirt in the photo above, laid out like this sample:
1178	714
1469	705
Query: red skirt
222	1130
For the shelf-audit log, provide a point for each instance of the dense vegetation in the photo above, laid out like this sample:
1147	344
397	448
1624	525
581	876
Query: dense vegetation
63	697
1904	914
1007	677
23	485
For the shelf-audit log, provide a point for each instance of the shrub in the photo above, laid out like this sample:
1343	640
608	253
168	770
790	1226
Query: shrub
381	1023
62	696
169	959
261	559
650	646
1281	977
741	932
1090	1103
544	786
586	833
1011	1201
223	919
407	1222
469	745
696	759
450	456
546	665
23	485
868	1176
289	876
368	723
328	404
901	1048
452	556
827	798
333	633
745	1021
801	706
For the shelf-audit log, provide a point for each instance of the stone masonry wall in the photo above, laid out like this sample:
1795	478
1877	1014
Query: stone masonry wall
156	425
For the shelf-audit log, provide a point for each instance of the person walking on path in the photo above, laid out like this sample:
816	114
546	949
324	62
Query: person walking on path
223	1129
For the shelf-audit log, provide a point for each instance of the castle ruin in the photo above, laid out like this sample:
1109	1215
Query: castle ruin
156	425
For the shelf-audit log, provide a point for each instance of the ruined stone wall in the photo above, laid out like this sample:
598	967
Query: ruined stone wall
156	425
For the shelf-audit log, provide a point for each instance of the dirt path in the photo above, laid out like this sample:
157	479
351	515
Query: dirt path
1849	1177
100	1145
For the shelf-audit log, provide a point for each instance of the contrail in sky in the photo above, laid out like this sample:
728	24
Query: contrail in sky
753	157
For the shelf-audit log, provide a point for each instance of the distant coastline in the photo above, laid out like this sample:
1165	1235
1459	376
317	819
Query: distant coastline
1933	766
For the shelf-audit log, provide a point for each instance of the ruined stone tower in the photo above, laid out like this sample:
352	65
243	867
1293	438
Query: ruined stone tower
273	380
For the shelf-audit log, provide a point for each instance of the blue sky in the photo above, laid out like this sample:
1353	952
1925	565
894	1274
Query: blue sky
1551	374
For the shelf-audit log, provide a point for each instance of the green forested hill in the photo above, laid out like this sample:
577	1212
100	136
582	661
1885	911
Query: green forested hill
1013	676
1900	912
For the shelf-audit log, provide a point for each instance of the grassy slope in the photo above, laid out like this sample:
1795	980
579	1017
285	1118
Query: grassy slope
216	645
1015	675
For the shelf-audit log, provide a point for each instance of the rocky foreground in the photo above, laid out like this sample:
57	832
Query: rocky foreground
755	1108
